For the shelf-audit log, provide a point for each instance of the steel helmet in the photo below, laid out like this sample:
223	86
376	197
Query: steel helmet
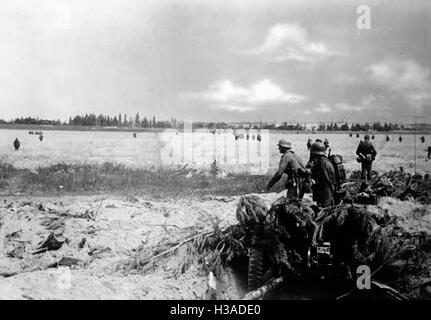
285	144
318	148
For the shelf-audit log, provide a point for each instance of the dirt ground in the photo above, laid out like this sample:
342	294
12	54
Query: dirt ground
114	226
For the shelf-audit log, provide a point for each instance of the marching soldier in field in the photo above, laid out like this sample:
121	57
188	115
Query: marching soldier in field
366	155
422	139
323	176
291	165
387	138
16	144
400	139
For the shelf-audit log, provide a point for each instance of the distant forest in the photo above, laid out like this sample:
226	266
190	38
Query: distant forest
92	120
122	121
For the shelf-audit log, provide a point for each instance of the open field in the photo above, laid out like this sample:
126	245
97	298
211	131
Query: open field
112	197
149	149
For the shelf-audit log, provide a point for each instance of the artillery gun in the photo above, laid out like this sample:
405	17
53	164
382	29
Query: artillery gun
293	243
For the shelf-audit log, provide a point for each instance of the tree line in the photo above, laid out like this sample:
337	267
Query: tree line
100	120
123	121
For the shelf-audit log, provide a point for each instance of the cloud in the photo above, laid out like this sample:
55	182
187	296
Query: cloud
229	96
285	42
369	102
407	78
348	107
237	108
323	108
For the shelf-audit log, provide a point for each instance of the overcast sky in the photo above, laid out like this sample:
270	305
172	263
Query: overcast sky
215	60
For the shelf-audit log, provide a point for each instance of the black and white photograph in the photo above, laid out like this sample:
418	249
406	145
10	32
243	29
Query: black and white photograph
215	150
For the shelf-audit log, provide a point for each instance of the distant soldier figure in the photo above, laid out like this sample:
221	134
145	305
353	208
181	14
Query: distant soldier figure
323	175
309	143
387	138
400	139
326	143
259	138
350	134
422	139
16	144
134	135
367	154
429	152
357	135
291	165
40	137
372	137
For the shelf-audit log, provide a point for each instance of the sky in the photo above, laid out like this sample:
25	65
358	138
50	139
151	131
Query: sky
226	60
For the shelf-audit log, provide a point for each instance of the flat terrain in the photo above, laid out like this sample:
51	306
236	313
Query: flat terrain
154	149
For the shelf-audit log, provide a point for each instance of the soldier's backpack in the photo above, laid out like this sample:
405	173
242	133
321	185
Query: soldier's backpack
340	172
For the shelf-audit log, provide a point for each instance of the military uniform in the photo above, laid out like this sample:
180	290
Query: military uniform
323	173
290	165
367	154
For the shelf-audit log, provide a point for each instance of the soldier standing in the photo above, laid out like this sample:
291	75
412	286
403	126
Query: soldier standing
323	175
16	144
293	167
367	154
400	139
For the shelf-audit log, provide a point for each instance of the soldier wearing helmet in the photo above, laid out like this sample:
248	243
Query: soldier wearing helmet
323	175
291	165
366	155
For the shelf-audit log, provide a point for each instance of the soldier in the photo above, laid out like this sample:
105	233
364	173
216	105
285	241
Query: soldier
429	152
40	137
357	135
387	138
323	175
326	143
16	144
309	143
293	167
400	139
422	139
367	154
350	134
372	137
